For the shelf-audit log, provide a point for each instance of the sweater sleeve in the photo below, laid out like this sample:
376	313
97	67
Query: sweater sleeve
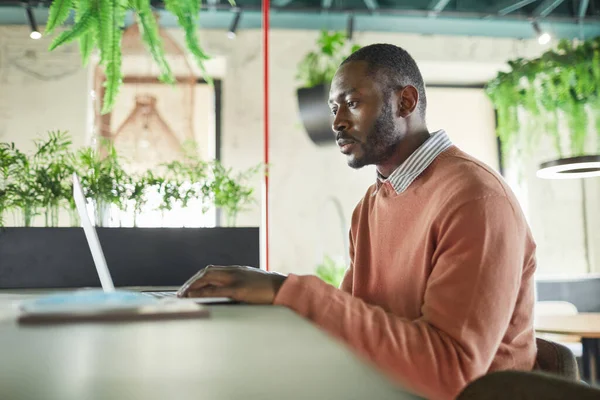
468	303
346	284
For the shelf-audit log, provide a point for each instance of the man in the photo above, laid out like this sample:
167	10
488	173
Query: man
440	288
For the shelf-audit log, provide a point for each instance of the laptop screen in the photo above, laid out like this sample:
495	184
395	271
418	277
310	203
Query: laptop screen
91	236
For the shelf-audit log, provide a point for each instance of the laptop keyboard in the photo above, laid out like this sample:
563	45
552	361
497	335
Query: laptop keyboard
205	300
161	295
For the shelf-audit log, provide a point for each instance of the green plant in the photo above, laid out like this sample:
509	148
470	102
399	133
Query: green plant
6	164
318	67
102	177
35	182
12	162
53	168
228	192
209	182
41	181
563	81
136	190
99	24
187	177
331	272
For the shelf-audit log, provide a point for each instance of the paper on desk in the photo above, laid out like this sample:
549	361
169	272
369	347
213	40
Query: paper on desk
100	306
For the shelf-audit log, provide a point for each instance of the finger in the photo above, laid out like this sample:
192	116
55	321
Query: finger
187	283
210	276
197	278
212	291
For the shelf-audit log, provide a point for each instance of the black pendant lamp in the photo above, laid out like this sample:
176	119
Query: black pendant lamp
571	168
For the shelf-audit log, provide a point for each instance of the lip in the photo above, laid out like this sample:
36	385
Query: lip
346	145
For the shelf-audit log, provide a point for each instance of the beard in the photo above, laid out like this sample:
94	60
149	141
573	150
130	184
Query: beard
381	141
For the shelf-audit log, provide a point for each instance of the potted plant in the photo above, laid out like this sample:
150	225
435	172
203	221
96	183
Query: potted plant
102	178
537	97
53	171
315	72
35	183
39	183
331	272
12	162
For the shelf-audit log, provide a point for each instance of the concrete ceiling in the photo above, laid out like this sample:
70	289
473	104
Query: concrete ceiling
500	18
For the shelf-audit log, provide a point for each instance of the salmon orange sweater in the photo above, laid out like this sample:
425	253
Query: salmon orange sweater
440	288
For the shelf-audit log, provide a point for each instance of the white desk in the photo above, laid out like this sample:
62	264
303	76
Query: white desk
240	352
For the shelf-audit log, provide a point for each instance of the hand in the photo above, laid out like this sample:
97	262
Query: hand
245	284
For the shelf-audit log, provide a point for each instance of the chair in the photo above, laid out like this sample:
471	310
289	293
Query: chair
557	359
555	376
521	385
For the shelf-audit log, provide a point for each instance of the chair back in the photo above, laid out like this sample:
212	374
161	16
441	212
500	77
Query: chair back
554	358
522	385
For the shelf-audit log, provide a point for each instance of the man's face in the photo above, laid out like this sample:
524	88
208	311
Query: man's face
364	121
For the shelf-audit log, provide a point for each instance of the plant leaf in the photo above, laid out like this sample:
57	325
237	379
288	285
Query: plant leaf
87	44
111	21
87	41
78	29
150	36
57	14
566	80
104	11
184	11
319	67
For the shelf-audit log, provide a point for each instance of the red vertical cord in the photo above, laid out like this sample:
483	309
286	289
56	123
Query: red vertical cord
265	31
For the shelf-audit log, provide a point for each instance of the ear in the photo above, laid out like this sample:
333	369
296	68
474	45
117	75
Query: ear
408	99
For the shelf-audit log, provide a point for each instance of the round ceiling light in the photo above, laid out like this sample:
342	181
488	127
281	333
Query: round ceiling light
570	168
544	38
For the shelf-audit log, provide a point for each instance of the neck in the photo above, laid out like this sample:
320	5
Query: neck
408	145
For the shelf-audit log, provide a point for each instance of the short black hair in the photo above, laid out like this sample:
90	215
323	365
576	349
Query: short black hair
393	67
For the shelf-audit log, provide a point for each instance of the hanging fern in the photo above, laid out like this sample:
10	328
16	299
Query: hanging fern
577	122
86	44
186	13
111	33
87	41
597	113
151	38
80	28
99	25
58	14
565	80
505	99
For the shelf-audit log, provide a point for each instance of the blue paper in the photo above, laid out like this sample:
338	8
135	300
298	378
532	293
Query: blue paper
87	300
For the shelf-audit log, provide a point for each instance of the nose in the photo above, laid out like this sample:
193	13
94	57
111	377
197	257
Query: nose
340	122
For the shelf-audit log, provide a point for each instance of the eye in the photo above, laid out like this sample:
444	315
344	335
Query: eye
333	111
351	104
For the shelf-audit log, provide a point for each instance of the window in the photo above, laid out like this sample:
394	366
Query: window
149	125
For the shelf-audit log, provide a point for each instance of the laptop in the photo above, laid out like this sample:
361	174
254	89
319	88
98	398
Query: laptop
98	255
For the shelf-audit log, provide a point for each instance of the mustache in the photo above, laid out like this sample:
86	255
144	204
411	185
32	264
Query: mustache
344	136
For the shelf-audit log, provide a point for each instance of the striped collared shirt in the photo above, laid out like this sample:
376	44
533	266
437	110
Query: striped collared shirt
417	162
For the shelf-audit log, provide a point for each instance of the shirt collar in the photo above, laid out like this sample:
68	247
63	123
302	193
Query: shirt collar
417	162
